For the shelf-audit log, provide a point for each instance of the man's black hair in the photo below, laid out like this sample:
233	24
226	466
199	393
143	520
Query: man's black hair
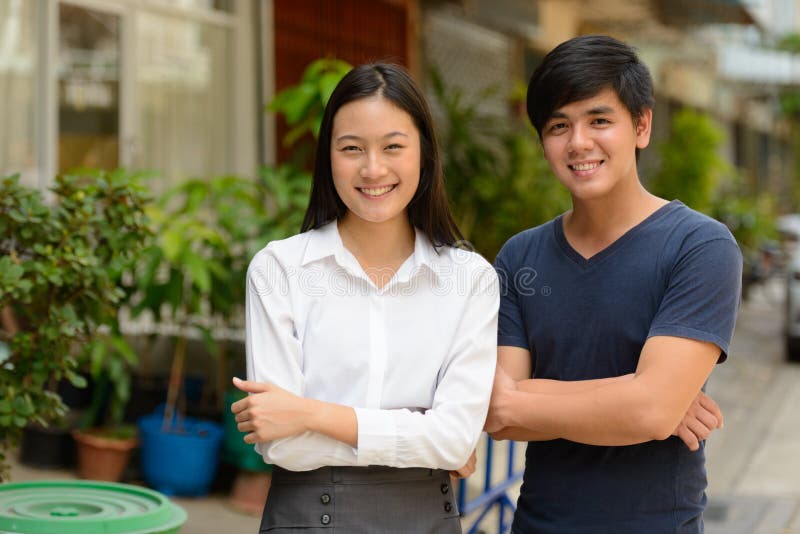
582	67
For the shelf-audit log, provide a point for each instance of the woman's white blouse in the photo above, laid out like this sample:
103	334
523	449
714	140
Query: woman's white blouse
415	359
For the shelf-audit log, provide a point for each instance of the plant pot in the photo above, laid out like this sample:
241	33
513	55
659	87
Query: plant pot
249	492
180	461
101	457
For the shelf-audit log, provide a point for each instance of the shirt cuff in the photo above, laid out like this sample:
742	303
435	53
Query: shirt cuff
377	442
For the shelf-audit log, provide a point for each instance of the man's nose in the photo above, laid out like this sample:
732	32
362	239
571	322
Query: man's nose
580	139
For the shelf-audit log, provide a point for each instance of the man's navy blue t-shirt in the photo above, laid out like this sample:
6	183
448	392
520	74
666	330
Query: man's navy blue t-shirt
678	273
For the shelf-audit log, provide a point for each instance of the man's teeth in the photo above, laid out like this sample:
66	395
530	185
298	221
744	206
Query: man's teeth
376	191
585	166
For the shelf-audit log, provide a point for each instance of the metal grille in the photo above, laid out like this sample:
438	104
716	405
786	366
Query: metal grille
469	57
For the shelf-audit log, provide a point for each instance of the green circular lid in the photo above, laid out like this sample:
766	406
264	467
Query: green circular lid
86	507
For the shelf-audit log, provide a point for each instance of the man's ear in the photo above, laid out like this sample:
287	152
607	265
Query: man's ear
643	124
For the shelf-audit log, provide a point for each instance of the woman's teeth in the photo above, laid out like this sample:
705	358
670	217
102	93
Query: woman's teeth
376	191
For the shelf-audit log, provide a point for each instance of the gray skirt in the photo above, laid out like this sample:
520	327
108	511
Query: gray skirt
356	500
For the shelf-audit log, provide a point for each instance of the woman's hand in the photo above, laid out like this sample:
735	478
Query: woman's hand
467	469
269	412
703	417
503	383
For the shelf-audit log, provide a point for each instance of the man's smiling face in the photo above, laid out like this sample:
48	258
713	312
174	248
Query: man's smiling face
591	144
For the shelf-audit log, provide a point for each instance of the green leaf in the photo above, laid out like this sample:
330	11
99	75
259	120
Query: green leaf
75	379
96	356
296	108
327	83
198	271
124	349
173	243
23	406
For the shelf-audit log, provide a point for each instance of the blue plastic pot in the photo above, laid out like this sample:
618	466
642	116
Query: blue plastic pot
182	461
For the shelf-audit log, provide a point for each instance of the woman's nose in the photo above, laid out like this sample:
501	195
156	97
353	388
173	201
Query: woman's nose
374	166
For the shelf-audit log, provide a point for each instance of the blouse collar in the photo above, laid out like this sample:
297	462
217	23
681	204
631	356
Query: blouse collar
325	242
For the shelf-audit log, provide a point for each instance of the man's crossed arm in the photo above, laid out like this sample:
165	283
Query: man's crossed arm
660	399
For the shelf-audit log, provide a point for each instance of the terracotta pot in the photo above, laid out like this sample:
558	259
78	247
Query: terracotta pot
102	458
249	492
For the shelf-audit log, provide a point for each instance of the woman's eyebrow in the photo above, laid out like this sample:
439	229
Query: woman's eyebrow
351	137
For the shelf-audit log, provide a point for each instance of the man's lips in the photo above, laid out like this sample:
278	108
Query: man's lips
585	165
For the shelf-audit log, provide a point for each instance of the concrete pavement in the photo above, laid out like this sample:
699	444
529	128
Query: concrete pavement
754	461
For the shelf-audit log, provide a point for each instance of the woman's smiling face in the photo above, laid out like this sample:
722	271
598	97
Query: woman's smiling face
375	158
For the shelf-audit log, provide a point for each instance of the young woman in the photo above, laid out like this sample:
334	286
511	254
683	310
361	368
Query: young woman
371	338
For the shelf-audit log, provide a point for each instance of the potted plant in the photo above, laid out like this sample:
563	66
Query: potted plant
60	268
104	442
188	279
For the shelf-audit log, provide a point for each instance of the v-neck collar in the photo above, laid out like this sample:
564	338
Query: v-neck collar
575	256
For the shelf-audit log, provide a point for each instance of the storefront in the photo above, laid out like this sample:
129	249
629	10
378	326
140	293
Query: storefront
165	85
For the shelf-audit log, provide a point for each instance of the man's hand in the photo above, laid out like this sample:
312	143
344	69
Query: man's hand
269	412
702	418
503	384
467	470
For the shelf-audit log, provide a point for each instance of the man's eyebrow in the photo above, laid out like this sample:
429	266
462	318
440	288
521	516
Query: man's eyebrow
599	110
350	137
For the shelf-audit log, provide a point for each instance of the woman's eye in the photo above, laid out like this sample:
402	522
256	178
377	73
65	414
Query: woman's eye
350	148
394	146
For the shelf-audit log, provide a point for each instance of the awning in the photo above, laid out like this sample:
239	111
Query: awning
696	12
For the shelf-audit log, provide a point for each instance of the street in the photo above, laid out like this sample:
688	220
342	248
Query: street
753	463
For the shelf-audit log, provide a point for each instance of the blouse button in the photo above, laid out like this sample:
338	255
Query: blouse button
445	488
325	498
448	507
325	519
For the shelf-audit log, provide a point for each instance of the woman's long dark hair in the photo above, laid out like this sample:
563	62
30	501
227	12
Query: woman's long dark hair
428	209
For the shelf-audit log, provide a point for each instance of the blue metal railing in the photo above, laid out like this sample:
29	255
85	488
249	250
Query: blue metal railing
492	495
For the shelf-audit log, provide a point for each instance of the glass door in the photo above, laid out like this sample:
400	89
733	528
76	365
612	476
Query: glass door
88	77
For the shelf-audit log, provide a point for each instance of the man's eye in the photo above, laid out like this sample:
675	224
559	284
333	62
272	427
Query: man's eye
557	126
394	146
602	121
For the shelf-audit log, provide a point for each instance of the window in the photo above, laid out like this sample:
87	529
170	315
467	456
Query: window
146	84
18	89
88	89
183	89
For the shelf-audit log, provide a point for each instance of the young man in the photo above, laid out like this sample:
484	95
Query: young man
612	315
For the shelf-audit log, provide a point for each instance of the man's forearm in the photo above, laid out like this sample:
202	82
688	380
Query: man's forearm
620	413
562	387
550	387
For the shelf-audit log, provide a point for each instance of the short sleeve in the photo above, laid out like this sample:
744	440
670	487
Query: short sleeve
510	324
703	294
